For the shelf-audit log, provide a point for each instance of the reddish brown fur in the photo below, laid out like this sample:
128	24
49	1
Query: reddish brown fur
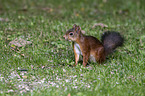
89	46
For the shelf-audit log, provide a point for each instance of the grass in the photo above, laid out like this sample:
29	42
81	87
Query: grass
44	67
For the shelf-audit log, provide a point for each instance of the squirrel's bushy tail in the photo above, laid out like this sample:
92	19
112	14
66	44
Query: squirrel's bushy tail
111	40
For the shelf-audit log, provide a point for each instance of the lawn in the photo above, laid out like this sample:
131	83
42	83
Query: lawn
44	66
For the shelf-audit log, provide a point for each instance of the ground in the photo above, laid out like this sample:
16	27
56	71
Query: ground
43	66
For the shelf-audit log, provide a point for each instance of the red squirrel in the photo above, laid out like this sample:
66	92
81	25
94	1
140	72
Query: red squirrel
90	47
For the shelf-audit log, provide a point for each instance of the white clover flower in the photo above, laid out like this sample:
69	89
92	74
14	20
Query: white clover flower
64	70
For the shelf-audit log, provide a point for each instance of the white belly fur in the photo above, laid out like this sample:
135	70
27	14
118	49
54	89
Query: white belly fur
78	51
77	48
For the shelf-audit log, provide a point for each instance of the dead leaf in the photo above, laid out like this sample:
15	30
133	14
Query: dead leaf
47	9
19	42
82	9
4	19
69	94
77	14
23	55
25	77
100	24
104	1
83	31
124	11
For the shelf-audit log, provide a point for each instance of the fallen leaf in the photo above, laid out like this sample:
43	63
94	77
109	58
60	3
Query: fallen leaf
19	42
47	9
77	14
83	31
25	77
69	94
4	19
99	24
82	9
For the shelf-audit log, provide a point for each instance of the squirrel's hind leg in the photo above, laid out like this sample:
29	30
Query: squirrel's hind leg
100	55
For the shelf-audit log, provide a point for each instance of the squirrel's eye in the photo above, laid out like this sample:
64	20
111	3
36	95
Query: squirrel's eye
71	34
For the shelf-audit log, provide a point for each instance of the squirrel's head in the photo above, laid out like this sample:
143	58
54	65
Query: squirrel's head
73	34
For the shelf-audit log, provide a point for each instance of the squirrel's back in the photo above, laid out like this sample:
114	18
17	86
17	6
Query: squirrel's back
111	40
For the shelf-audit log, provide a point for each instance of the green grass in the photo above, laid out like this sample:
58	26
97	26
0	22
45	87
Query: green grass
49	58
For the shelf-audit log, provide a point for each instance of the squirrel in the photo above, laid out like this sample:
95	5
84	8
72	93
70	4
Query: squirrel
90	47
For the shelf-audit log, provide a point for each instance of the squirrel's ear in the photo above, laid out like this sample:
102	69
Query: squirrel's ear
74	25
78	29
